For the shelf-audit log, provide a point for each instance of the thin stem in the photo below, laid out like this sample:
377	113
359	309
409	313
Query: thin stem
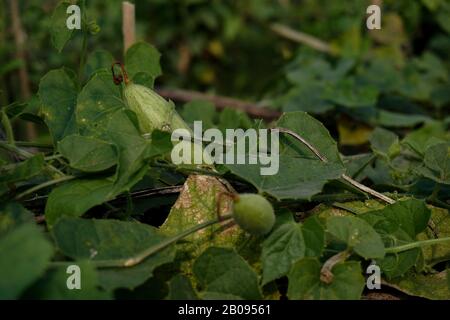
344	207
344	176
416	244
43	185
8	127
12	148
33	144
138	258
26	155
53	157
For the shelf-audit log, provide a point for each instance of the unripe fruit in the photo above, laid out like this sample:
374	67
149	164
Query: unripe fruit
152	110
254	214
156	113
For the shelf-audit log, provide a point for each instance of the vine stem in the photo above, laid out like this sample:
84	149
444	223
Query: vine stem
141	256
43	185
322	158
416	244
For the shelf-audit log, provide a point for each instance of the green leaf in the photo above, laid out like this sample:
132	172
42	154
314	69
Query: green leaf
58	29
98	100
304	281
430	133
408	217
349	94
289	242
111	240
53	285
76	197
25	256
58	94
24	170
385	143
88	154
222	270
180	288
358	235
437	163
398	224
301	174
309	98
399	120
142	57
132	150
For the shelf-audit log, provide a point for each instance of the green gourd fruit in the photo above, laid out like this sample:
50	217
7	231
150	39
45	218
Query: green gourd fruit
254	214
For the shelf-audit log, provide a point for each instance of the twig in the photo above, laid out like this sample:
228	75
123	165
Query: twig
303	38
321	157
368	190
221	102
128	25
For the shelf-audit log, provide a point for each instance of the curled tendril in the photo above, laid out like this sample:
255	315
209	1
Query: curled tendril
119	78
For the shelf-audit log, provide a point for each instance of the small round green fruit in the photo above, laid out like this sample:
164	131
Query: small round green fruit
254	214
